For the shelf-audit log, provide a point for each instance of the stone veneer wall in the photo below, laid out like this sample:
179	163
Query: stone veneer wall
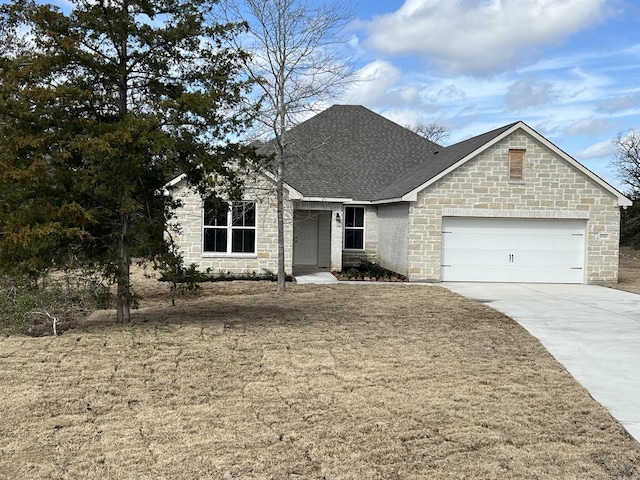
551	189
189	218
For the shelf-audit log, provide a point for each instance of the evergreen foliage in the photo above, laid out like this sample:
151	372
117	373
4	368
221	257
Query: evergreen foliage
100	106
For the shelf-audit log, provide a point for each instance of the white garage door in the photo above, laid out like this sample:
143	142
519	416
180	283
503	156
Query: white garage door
512	250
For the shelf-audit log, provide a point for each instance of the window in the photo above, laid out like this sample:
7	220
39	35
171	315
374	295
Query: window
229	227
516	165
354	228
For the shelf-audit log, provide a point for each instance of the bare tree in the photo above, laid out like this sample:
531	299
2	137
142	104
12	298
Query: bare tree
627	159
627	162
298	65
433	131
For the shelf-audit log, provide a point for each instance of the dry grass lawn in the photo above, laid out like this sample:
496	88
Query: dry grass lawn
323	382
629	271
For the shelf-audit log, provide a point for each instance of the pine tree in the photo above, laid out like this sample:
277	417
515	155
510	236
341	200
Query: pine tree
100	106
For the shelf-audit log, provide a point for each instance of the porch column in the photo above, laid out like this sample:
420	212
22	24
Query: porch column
337	222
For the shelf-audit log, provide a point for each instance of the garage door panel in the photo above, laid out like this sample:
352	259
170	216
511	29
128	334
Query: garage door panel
513	250
533	257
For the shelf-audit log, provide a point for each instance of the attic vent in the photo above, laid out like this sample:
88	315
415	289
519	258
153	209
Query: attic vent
516	165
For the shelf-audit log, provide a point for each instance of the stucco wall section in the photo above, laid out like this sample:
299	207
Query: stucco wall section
551	189
392	237
324	239
189	219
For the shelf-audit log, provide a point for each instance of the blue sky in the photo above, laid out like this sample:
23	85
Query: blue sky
568	68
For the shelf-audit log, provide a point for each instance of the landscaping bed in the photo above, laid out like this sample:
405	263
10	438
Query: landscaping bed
369	272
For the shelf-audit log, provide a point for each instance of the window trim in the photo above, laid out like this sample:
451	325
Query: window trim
229	228
516	155
363	228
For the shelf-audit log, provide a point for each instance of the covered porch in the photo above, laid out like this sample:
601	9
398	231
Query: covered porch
317	237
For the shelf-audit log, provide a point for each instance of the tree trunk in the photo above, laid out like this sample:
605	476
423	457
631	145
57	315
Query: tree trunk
123	301
280	201
282	149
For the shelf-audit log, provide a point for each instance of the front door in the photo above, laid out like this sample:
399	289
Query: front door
305	248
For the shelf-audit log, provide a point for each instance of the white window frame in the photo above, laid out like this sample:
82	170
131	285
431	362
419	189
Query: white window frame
362	228
229	228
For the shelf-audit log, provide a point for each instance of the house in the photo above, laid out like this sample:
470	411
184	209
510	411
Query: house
507	205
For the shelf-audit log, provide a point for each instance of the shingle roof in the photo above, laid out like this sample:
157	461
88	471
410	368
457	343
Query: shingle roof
348	151
444	159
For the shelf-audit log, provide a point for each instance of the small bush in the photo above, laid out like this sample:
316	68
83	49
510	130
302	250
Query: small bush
269	275
190	278
353	273
370	270
63	295
182	279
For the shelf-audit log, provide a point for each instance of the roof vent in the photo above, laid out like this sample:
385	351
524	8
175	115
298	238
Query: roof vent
436	152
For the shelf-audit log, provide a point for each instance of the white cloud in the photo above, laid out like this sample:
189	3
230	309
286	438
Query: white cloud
382	85
472	36
606	149
619	103
450	91
373	82
402	117
589	126
634	49
528	92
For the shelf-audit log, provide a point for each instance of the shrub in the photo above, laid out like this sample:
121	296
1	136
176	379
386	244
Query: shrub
62	295
369	269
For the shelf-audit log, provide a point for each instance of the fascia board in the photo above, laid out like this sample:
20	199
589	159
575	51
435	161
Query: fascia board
293	193
166	189
387	200
326	199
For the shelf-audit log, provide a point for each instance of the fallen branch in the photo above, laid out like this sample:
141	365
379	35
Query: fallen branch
54	320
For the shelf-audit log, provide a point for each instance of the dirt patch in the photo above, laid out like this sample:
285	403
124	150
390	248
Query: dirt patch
322	382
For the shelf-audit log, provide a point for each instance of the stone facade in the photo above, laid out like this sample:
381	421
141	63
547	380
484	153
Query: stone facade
189	222
551	188
406	236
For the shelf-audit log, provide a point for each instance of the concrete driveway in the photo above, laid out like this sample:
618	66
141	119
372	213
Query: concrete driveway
593	331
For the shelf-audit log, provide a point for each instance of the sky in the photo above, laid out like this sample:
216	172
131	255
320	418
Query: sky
570	69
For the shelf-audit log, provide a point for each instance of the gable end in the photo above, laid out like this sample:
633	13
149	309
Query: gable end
559	153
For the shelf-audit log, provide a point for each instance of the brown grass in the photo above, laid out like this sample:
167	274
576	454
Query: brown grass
629	271
323	382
